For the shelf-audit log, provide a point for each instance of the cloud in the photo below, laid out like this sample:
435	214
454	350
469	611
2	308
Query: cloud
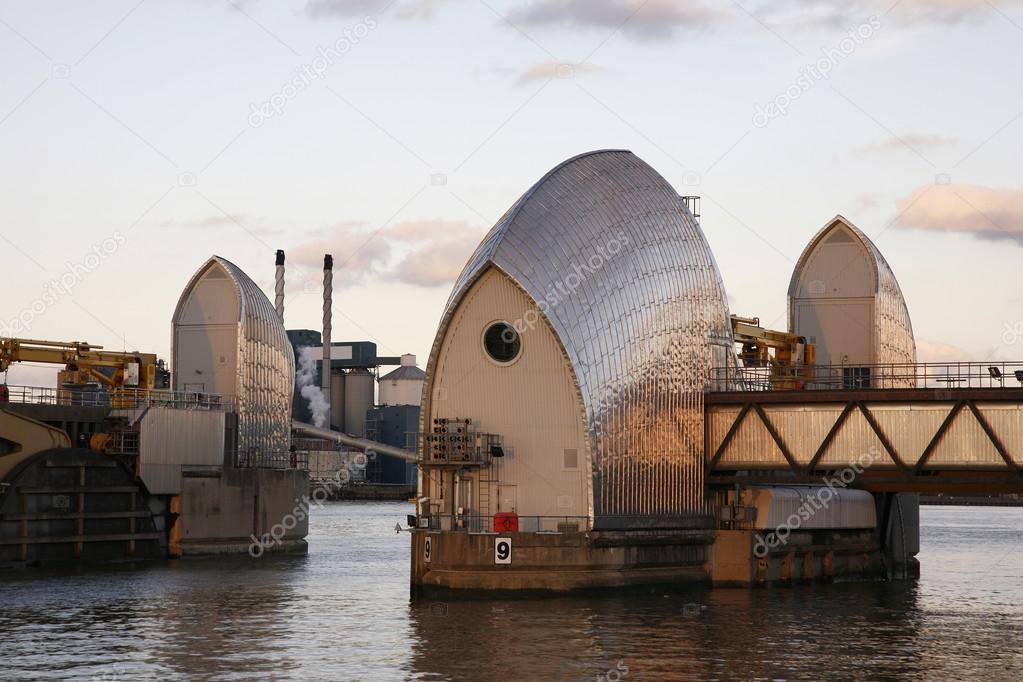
421	9
987	212
948	11
844	14
424	253
405	9
552	69
660	19
318	9
645	18
439	250
357	254
907	141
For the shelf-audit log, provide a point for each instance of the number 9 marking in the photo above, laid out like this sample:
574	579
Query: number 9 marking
503	551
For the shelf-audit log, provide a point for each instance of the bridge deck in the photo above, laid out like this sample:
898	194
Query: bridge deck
967	440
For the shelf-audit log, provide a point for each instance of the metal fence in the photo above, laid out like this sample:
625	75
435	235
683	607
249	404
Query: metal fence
479	523
941	375
272	460
118	398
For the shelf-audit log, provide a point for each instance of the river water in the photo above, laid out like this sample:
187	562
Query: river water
343	613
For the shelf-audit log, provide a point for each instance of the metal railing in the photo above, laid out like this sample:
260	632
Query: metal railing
315	445
277	459
124	443
941	375
479	523
118	398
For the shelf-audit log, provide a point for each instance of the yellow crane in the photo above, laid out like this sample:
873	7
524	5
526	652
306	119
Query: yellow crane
792	362
85	363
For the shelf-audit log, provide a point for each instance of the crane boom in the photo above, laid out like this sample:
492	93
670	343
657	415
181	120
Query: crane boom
792	360
85	363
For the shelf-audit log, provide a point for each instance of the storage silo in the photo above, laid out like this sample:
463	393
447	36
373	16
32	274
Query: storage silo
358	400
337	400
403	386
228	340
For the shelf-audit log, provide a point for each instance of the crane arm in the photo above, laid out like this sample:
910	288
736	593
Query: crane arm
78	356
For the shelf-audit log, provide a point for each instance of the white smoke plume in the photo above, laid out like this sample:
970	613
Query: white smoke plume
305	377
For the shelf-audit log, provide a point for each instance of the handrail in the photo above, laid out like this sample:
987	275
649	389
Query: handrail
484	523
118	398
921	375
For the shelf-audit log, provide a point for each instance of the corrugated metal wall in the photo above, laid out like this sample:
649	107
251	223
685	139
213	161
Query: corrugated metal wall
171	438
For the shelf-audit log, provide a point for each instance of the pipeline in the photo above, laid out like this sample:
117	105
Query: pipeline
351	441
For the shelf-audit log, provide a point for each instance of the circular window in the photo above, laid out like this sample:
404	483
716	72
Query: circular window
502	342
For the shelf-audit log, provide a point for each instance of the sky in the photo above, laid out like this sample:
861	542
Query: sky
138	138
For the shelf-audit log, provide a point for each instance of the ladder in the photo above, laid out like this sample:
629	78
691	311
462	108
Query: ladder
484	505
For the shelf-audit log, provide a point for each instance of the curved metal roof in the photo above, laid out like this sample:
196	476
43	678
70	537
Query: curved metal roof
266	363
893	327
257	312
621	270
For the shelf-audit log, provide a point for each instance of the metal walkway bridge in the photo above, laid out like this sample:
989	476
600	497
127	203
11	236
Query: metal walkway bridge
949	428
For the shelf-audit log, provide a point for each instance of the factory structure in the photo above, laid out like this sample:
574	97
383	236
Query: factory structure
595	416
127	459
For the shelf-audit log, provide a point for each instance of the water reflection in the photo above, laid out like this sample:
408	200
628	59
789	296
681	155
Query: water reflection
343	613
777	634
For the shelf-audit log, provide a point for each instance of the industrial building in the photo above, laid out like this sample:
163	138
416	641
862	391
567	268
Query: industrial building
593	415
354	409
127	460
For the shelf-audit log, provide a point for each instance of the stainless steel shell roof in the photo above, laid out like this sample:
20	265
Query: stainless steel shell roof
893	329
265	369
641	331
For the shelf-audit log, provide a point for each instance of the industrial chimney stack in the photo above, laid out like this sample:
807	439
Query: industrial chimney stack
328	299
279	285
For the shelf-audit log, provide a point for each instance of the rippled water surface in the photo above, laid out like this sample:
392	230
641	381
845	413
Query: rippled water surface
343	613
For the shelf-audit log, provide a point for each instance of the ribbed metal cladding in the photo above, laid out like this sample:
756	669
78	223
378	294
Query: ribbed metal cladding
265	367
640	331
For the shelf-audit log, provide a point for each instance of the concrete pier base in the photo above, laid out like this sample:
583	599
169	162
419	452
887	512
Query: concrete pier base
740	559
238	511
557	562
